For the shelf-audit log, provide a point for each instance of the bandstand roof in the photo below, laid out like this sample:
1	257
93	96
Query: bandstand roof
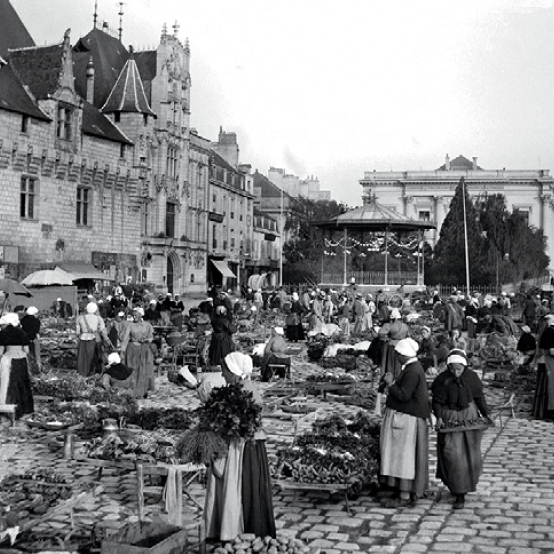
373	217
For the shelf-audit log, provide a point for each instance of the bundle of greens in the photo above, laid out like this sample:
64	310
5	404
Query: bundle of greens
230	412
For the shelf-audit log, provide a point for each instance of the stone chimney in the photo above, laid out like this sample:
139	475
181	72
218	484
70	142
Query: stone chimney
90	81
474	163
447	162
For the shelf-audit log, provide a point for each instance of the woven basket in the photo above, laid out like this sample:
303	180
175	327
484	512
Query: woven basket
174	339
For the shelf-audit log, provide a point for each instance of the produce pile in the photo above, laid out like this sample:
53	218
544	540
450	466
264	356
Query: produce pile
248	542
335	451
229	412
164	418
30	494
500	348
332	377
149	448
58	343
69	387
469	423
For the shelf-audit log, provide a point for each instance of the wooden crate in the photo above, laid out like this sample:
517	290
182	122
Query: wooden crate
146	538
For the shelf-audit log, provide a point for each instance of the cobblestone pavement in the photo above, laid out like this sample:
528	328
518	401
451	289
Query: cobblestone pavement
511	512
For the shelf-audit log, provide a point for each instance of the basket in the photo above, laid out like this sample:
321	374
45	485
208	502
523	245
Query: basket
174	339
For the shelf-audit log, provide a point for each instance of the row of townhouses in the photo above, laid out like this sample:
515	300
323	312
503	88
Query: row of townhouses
100	170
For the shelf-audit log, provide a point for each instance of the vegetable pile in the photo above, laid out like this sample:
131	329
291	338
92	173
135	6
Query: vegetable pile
460	425
248	542
336	451
331	377
30	494
144	448
229	412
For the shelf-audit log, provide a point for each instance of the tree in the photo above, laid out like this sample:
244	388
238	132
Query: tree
449	265
303	252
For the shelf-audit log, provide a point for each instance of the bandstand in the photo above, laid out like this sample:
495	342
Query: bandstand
379	224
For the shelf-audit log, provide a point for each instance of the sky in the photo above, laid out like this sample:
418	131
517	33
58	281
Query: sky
334	88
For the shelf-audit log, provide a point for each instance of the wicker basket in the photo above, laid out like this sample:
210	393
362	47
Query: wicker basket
174	339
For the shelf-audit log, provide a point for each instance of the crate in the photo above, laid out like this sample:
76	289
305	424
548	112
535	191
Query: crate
146	538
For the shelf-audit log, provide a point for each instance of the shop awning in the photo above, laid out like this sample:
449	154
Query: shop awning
82	270
223	268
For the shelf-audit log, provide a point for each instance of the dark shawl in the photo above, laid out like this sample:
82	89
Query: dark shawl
457	393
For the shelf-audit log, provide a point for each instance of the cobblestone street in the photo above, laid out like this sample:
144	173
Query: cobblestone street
511	512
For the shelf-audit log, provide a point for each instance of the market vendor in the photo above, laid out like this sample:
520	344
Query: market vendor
458	397
138	349
30	323
543	401
15	382
275	353
527	345
91	334
391	333
404	444
238	491
117	375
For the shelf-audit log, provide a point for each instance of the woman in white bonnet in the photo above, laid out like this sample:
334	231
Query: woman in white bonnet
91	331
238	493
404	442
15	382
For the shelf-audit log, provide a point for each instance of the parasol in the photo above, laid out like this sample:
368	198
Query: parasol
11	286
47	277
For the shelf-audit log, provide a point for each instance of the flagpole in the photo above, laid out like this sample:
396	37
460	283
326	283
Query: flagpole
465	236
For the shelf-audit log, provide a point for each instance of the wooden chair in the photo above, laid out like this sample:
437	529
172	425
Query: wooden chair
192	471
496	410
273	368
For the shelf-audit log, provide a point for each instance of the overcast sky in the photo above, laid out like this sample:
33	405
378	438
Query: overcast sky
333	88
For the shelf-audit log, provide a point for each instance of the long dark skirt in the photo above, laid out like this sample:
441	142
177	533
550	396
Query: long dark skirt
295	332
221	345
19	388
540	400
420	483
257	499
459	462
87	357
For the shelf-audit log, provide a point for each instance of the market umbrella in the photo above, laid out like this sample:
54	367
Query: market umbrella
11	286
46	277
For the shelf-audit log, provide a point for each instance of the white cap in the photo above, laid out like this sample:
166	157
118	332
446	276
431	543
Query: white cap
153	301
139	310
114	358
10	319
279	330
91	308
58	299
31	310
120	314
407	347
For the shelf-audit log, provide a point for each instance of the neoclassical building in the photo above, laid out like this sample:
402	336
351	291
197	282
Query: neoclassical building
426	195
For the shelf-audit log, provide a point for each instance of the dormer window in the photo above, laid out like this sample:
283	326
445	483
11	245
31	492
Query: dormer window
25	119
117	117
63	130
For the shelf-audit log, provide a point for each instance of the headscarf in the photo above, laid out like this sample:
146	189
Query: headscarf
239	364
456	392
10	318
407	347
114	358
91	308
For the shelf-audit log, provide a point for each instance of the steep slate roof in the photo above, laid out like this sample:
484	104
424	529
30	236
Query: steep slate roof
14	97
267	188
13	34
128	94
459	163
222	162
147	65
39	68
95	123
109	57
